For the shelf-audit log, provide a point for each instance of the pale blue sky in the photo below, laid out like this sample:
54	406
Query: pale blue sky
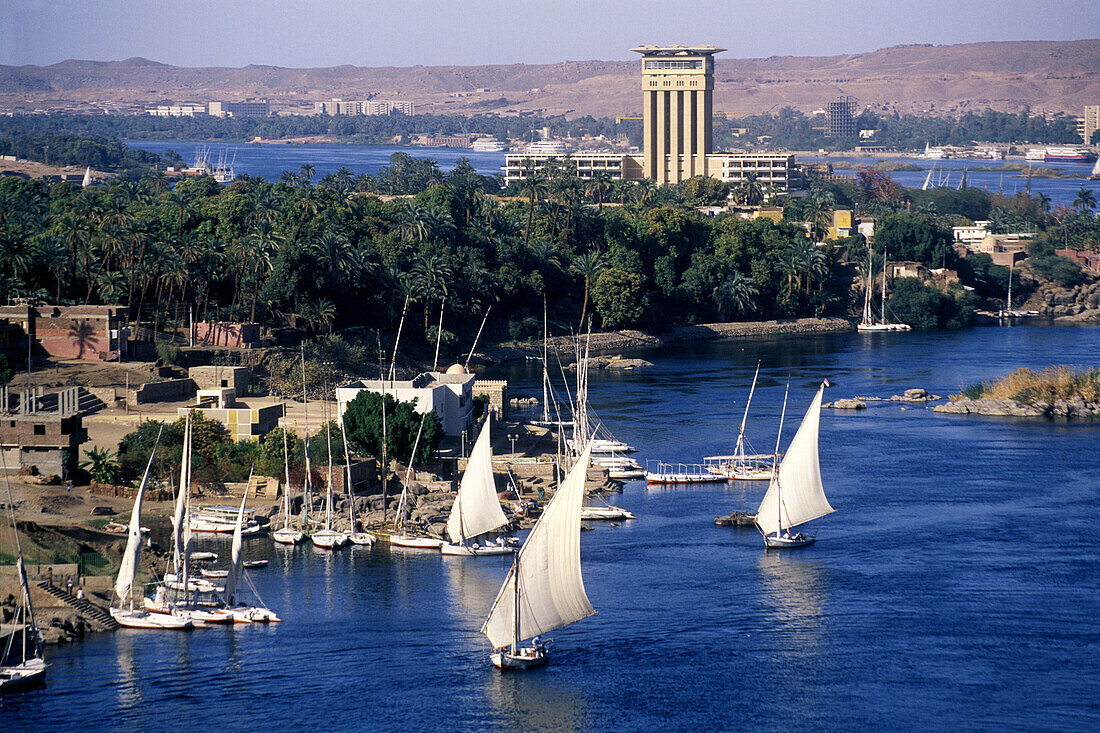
459	32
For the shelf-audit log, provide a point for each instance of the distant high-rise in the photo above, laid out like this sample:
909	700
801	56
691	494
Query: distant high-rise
840	118
1090	123
678	88
239	109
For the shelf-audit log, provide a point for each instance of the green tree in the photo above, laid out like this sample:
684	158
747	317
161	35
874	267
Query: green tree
363	419
619	297
735	296
1085	200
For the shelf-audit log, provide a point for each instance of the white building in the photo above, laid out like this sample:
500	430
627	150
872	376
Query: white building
449	394
972	235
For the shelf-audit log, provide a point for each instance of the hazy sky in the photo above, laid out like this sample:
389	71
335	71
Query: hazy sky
429	32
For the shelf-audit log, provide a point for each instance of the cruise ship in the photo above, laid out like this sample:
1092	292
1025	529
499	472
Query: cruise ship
1069	154
487	145
546	147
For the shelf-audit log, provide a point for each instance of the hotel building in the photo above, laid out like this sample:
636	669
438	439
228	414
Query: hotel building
677	143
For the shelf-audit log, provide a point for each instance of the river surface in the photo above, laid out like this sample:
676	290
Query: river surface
957	587
269	161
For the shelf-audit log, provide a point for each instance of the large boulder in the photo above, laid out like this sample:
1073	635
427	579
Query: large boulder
845	404
990	407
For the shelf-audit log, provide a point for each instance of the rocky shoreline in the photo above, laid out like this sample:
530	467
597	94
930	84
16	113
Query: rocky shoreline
616	341
1075	408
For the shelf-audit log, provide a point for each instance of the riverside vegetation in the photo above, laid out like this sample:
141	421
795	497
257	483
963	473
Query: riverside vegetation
1056	391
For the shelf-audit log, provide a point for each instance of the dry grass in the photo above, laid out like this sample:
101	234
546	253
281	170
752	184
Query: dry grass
1047	385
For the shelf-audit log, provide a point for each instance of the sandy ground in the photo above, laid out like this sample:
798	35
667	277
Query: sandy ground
38	170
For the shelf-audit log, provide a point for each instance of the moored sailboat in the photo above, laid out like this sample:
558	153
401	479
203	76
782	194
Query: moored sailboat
287	535
476	510
125	614
868	323
544	589
743	466
795	495
23	667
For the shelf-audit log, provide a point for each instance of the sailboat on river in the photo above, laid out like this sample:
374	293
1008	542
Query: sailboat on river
544	590
476	510
743	466
795	495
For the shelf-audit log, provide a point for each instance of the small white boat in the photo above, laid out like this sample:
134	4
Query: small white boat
869	324
222	520
287	536
138	619
363	539
198	614
544	589
476	510
204	556
253	615
27	673
502	546
742	466
625	474
682	473
795	495
416	541
208	573
604	513
522	657
328	539
255	564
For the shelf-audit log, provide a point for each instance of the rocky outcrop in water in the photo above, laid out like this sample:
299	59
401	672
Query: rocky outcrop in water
915	395
845	404
1077	407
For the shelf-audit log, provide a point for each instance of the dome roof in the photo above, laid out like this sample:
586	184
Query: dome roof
456	369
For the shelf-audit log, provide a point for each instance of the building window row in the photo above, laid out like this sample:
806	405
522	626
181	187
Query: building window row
674	64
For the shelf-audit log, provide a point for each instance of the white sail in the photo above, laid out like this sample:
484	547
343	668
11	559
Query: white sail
127	569
798	484
181	498
476	509
236	555
87	177
551	589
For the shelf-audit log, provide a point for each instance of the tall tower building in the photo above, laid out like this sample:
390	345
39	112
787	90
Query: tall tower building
678	87
840	118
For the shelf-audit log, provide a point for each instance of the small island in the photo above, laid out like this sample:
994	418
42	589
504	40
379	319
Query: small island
1056	391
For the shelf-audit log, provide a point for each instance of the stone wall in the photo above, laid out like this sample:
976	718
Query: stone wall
170	390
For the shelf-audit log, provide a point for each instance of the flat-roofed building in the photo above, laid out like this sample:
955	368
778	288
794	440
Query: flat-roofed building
1089	123
259	108
449	394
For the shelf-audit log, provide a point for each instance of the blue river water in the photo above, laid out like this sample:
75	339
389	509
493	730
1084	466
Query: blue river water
957	587
269	161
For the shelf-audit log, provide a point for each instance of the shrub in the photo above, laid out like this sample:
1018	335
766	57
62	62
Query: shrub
168	352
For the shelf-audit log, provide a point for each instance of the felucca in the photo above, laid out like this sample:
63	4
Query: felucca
476	510
328	538
25	666
401	536
242	612
363	539
544	589
139	618
743	466
795	495
868	323
287	535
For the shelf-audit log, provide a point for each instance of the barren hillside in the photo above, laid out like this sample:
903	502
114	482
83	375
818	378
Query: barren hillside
1036	75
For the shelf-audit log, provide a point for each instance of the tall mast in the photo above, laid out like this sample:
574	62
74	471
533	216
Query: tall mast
307	483
740	449
867	295
328	441
515	603
545	370
884	285
385	465
775	463
286	489
1010	266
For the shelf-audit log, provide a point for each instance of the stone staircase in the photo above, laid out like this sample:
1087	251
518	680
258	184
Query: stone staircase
96	616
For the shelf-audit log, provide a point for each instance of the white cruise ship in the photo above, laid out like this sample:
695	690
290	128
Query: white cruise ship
487	145
546	147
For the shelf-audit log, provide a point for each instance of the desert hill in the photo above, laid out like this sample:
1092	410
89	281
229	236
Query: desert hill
1010	76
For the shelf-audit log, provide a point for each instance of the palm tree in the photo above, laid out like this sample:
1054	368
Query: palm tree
599	186
644	191
432	275
534	188
736	295
750	192
1044	202
588	266
1085	200
306	173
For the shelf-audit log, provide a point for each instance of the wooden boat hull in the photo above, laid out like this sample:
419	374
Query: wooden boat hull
475	550
327	540
787	542
423	543
28	673
253	615
287	536
146	620
524	658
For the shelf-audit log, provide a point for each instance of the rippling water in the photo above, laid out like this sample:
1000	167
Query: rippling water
957	586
